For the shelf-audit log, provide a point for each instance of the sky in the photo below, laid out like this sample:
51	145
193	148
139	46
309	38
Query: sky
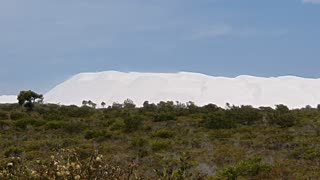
44	42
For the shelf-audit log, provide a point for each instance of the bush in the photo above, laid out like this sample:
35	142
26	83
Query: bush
246	169
74	127
132	123
68	164
246	115
18	115
24	123
218	120
312	154
118	124
138	142
160	144
76	112
164	117
163	133
4	124
98	135
53	116
283	120
12	152
3	115
55	124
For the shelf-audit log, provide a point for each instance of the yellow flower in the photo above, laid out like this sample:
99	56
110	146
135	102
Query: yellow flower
33	173
67	173
77	177
10	164
98	159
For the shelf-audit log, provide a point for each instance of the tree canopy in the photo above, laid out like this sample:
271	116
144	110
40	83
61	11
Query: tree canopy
28	98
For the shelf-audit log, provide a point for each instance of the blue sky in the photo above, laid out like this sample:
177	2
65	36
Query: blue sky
43	42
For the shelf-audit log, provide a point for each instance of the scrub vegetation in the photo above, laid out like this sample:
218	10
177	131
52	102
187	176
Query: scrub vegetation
167	140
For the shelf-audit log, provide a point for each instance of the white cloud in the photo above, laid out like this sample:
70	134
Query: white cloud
311	1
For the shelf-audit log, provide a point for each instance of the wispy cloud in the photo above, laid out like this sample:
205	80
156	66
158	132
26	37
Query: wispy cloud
226	31
311	1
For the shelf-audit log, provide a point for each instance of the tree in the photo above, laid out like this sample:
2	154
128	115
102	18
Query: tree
147	107
92	104
103	104
192	107
116	105
128	103
84	103
29	98
282	108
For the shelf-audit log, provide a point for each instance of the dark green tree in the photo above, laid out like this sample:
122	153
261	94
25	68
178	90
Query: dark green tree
92	104
84	103
103	104
29	98
280	108
128	103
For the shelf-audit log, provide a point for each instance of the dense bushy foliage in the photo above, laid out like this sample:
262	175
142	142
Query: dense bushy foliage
29	98
168	140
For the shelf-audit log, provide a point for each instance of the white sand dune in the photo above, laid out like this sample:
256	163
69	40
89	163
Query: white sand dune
113	86
8	99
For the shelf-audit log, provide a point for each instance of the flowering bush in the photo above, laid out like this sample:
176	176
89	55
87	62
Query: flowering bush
66	165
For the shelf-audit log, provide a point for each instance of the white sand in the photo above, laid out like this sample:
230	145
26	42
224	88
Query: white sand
8	99
113	86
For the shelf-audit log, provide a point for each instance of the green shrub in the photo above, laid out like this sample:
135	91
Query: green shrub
4	124
118	124
245	115
18	115
3	115
24	123
163	133
108	122
55	124
218	120
74	127
139	146
160	144
312	154
132	123
53	116
222	134
9	107
283	120
138	142
245	169
76	112
164	117
98	135
12	152
279	141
